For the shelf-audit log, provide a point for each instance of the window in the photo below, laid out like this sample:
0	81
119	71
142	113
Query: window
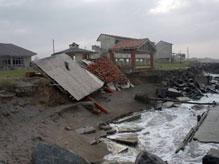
18	61
116	41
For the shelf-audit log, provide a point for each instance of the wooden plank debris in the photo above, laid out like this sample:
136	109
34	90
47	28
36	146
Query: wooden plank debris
128	139
132	117
191	133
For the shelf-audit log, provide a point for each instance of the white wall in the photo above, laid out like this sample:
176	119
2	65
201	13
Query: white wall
163	50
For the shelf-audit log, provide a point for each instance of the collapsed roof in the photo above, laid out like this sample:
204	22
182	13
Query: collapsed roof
69	75
107	71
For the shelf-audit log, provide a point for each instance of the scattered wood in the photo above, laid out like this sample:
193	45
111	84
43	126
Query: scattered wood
129	129
100	107
130	118
127	139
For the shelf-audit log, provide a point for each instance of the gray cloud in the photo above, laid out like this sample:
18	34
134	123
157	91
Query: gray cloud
34	23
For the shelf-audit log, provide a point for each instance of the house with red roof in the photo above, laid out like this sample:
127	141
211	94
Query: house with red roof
130	54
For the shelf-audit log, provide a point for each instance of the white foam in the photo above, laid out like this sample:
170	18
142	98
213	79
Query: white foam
167	130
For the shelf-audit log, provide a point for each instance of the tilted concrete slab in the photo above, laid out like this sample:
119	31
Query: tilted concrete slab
209	130
74	79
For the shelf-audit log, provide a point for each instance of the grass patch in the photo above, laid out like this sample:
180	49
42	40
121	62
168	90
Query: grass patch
172	66
8	84
17	74
8	79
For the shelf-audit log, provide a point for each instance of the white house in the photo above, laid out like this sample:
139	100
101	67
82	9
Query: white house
163	51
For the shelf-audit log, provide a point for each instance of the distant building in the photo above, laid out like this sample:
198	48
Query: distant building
163	52
76	53
131	54
12	56
108	41
179	57
96	48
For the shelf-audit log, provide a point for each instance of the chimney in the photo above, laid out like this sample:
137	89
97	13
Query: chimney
73	45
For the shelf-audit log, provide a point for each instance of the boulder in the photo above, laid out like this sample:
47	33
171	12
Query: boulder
51	154
212	157
148	158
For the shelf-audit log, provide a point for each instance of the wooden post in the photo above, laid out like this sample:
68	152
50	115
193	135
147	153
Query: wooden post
133	59
152	60
112	56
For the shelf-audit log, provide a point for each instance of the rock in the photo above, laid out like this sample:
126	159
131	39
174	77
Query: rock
3	162
148	158
51	154
198	107
168	104
183	98
128	139
212	157
86	130
89	105
68	128
162	93
115	148
6	114
158	106
173	93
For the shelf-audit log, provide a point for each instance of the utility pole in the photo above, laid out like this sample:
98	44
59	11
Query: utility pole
53	46
188	52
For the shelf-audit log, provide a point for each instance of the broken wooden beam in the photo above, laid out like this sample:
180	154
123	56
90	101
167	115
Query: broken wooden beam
127	139
100	107
129	118
191	133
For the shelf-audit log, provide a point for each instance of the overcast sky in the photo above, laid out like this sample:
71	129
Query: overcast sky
33	24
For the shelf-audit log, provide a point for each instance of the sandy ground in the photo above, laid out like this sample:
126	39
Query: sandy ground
24	123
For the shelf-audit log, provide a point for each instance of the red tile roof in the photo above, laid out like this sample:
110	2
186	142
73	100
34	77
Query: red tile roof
129	44
107	71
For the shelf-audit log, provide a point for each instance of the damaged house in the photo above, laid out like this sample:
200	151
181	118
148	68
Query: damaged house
13	56
76	53
130	54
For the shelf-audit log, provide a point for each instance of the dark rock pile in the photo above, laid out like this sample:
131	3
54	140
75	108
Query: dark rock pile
191	83
52	154
212	157
148	158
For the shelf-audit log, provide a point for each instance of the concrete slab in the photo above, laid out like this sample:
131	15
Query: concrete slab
209	131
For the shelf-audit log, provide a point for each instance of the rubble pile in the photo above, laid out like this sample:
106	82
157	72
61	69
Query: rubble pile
107	71
190	83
